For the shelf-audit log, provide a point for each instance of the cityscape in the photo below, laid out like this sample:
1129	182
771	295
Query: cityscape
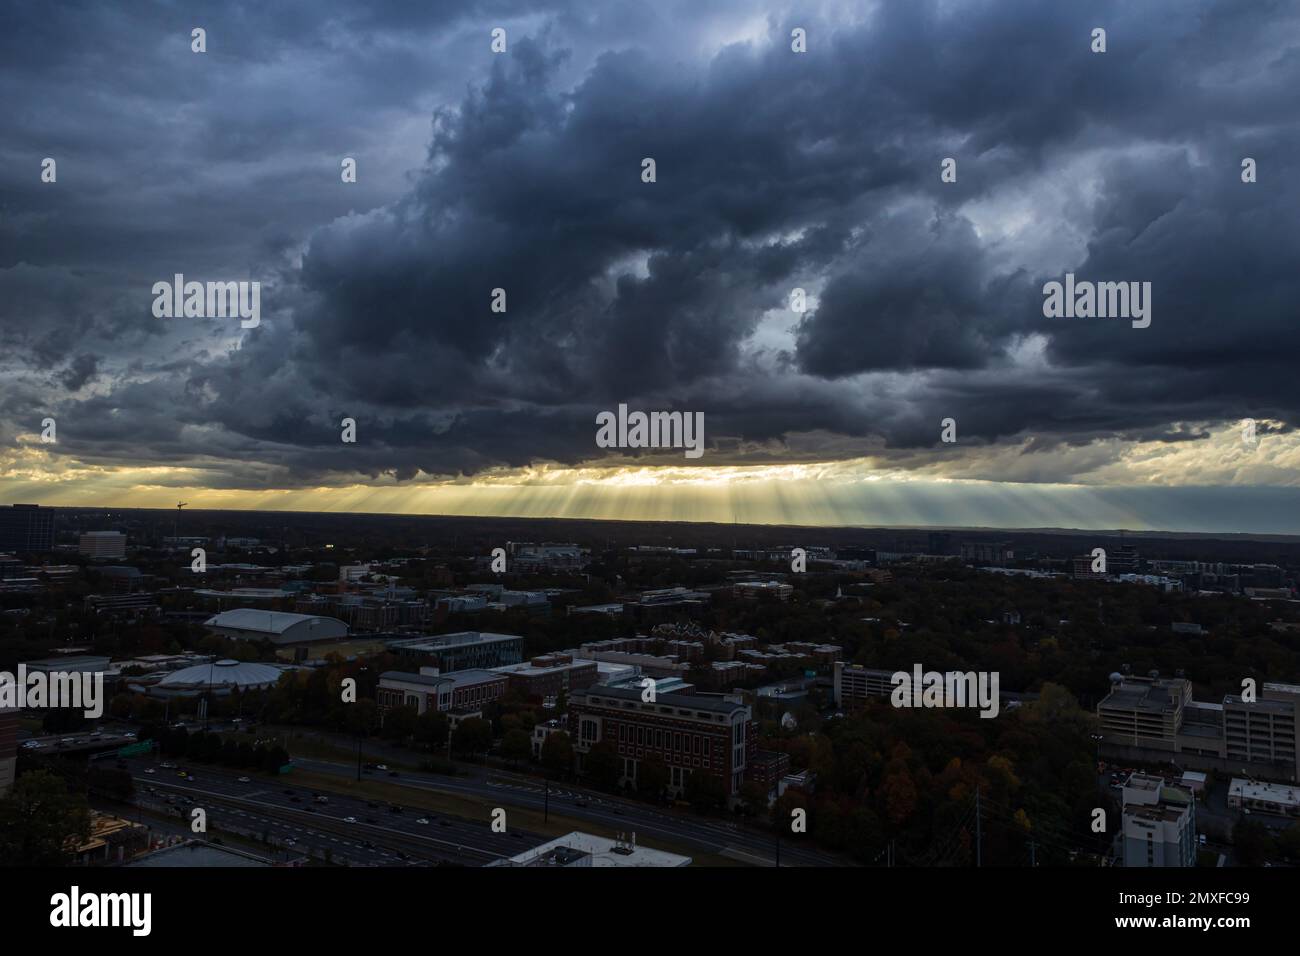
358	691
842	451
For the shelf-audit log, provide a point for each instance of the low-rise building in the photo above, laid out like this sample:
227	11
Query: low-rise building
549	675
586	849
689	733
457	692
1277	798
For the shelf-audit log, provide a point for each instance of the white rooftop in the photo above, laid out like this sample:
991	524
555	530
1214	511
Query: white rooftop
268	622
601	851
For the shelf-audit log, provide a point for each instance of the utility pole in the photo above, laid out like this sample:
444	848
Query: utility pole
979	843
546	805
1033	860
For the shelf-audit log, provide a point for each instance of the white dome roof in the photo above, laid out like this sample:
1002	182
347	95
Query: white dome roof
241	674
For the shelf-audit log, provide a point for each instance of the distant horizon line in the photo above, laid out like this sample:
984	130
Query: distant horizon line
991	529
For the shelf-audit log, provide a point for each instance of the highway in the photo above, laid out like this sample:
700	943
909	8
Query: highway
499	788
258	802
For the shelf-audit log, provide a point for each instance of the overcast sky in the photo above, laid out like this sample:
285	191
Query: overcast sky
775	170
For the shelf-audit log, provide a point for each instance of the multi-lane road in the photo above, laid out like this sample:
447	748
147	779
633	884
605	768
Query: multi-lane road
351	828
370	831
498	788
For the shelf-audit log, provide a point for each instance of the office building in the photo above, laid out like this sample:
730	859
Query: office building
8	747
458	692
103	544
549	675
461	651
1264	730
1154	717
26	529
690	734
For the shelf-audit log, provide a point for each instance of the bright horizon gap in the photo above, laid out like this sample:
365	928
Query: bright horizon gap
860	503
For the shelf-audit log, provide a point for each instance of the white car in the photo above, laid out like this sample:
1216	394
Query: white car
422	821
349	819
243	780
149	770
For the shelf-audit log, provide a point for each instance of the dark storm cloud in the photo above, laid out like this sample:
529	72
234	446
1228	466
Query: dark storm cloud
522	171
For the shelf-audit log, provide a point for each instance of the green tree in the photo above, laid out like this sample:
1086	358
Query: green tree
652	777
399	723
1252	842
40	821
516	746
557	753
705	792
431	729
471	736
603	764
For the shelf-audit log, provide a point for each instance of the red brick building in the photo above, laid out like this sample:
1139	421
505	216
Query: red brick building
691	734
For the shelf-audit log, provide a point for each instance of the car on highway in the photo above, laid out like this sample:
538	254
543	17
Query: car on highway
381	766
423	821
167	765
243	780
580	802
349	819
150	770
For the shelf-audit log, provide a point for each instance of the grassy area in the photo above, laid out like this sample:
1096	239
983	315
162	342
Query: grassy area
475	810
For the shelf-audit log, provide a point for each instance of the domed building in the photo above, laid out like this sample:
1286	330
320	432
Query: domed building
219	677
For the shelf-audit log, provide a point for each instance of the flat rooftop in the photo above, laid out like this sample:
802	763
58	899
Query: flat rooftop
1152	699
573	848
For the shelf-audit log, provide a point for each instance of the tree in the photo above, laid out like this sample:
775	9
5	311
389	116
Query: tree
557	753
399	723
431	729
705	791
471	736
603	764
652	777
40	821
1252	842
516	746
